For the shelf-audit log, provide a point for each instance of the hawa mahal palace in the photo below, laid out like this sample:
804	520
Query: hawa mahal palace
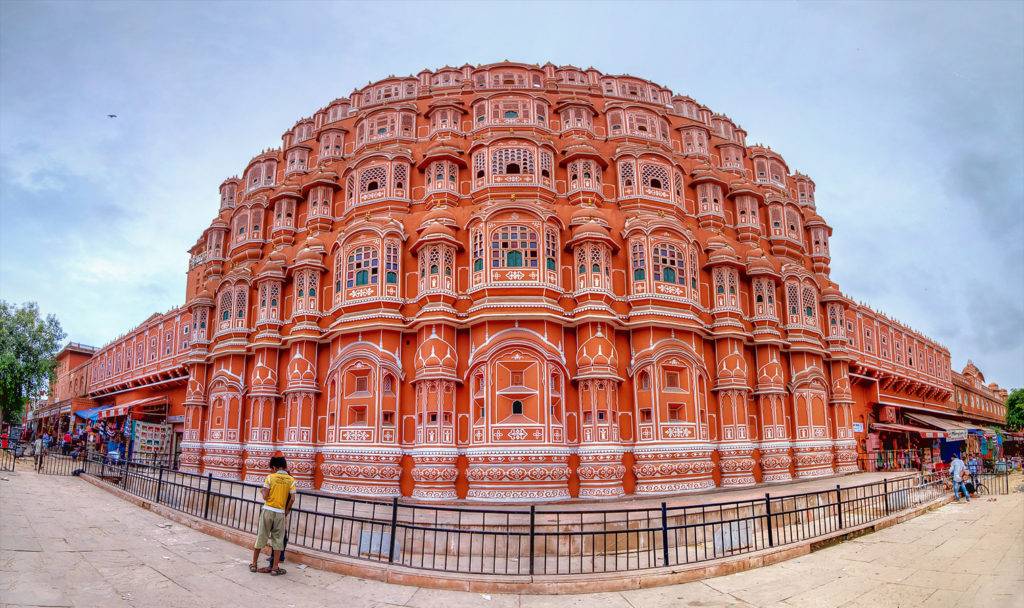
512	283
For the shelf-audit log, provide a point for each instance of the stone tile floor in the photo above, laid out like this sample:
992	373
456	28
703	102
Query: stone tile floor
64	542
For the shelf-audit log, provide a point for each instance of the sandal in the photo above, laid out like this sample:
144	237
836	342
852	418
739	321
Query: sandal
253	567
278	572
265	570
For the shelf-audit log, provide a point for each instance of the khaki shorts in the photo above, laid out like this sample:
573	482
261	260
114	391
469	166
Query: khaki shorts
271	529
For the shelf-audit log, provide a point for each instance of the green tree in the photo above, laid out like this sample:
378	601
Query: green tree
1015	409
28	344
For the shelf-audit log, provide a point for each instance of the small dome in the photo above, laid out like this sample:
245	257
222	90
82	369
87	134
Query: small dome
720	250
441	213
585	214
300	370
263	377
438	231
597	351
732	369
435	353
757	263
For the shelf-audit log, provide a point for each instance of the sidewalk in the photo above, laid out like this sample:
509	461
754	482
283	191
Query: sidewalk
64	542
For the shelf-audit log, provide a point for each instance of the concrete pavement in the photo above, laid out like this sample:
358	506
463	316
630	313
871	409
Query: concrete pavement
64	542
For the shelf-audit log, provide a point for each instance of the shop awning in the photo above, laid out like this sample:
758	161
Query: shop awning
89	414
956	430
906	428
117	411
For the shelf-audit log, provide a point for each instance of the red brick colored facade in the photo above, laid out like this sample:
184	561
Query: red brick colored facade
521	283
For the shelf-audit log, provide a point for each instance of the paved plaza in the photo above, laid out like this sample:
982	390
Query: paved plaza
65	542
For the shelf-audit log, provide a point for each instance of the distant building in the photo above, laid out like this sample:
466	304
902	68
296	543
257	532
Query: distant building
519	283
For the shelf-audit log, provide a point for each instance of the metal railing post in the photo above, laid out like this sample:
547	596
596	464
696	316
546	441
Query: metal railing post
159	483
839	504
885	491
394	529
768	514
664	533
533	533
206	506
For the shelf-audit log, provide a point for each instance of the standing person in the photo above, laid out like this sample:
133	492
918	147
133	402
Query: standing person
113	449
957	468
37	450
974	466
67	441
278	496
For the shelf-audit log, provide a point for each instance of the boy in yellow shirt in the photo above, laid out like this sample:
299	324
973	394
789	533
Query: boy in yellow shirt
278	496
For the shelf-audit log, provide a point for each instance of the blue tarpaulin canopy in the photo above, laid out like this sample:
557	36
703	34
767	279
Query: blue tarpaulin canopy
91	413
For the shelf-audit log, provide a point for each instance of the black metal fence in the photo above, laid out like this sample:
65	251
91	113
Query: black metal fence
546	540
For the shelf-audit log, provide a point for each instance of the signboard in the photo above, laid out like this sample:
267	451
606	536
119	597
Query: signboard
175	419
858	427
956	435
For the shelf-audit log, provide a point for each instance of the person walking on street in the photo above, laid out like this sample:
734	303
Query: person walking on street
957	468
278	496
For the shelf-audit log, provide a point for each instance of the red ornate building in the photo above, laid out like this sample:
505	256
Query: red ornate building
519	283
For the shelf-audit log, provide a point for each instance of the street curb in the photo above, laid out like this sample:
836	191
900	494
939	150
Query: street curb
576	583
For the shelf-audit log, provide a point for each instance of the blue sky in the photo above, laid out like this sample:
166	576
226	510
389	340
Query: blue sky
908	116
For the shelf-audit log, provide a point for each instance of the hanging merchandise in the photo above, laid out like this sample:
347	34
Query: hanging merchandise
151	439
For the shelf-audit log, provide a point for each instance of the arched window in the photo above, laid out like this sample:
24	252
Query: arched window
709	197
810	305
517	407
793	229
391	258
627	176
372	179
761	170
584	174
363	267
669	264
514	246
551	248
441	175
777	173
478	250
225	308
793	302
240	226
639	261
655	176
320	201
512	161
746	207
284	213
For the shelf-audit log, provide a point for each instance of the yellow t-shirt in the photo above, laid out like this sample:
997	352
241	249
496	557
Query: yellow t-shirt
280	485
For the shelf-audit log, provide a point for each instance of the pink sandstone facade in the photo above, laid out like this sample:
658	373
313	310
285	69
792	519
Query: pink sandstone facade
521	283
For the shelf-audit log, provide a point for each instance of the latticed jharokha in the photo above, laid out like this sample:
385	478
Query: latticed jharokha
521	283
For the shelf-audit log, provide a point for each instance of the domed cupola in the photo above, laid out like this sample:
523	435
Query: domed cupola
264	380
435	356
301	373
596	356
758	264
720	252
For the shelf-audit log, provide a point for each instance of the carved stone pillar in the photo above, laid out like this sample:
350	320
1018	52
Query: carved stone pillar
299	401
434	472
600	470
772	404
